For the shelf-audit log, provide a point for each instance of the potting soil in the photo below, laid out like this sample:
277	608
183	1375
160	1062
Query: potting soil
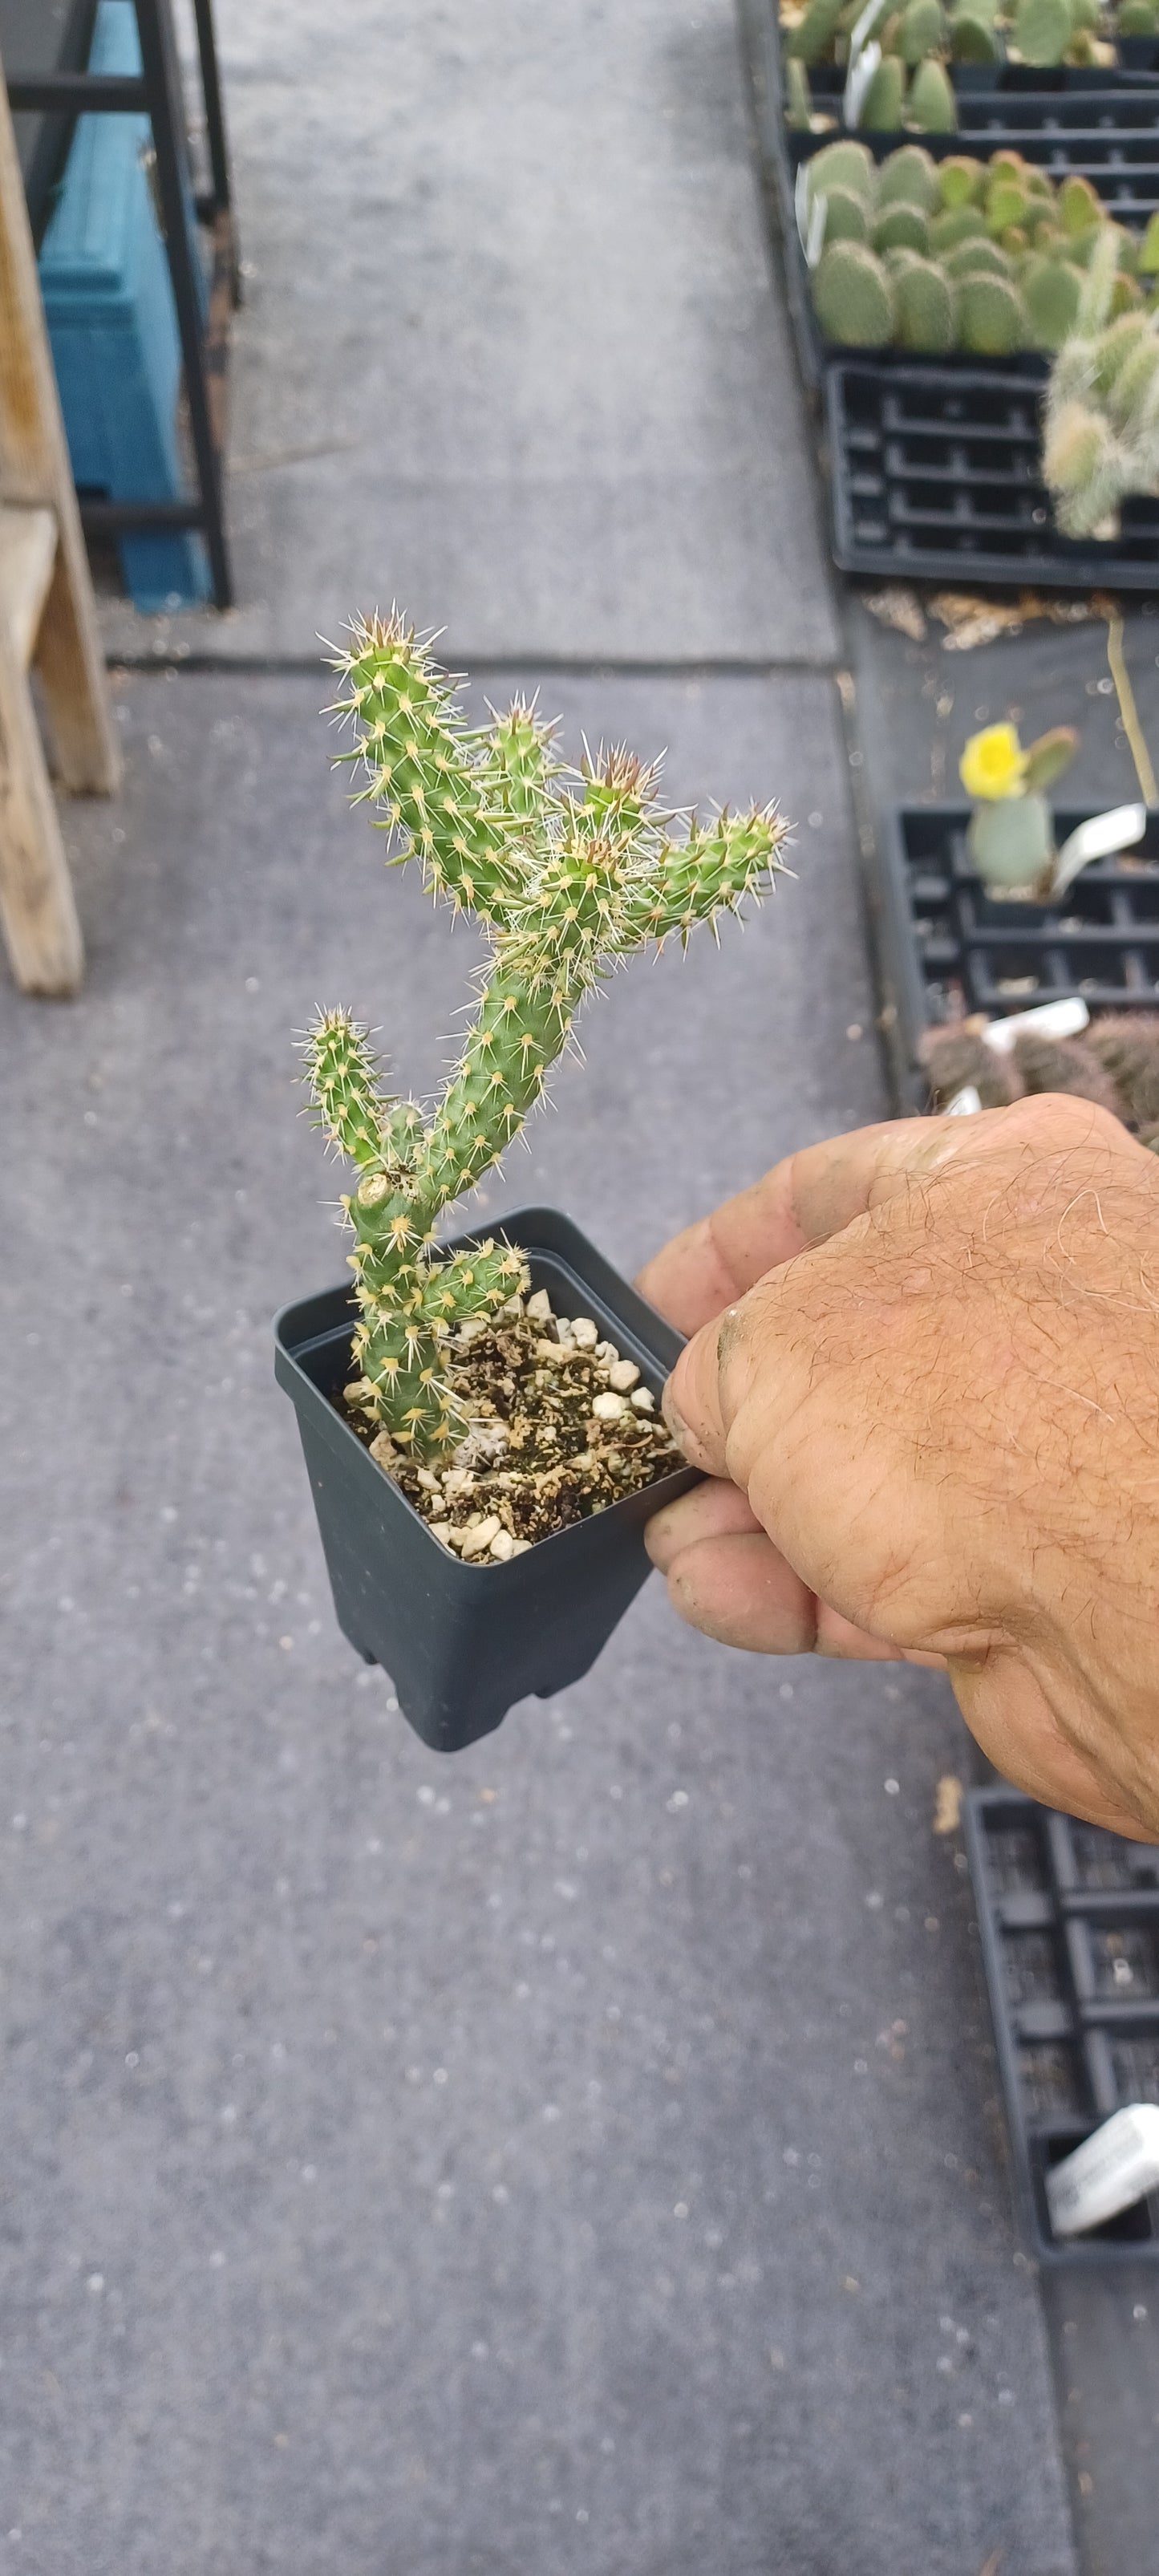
560	1425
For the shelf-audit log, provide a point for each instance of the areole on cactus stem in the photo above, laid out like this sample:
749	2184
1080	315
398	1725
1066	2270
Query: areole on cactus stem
569	873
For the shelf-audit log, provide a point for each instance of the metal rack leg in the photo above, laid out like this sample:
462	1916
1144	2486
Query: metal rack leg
215	131
162	83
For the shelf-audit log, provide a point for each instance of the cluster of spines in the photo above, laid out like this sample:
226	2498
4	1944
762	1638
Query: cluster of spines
568	875
1101	438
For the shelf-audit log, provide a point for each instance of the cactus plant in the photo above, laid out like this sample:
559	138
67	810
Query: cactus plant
922	32
900	227
993	320
854	297
1050	292
881	111
798	96
974	35
811	39
909	177
927	309
1042	30
1011	832
568	876
931	107
1101	437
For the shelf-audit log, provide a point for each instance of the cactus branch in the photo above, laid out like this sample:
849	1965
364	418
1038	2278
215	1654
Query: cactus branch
569	876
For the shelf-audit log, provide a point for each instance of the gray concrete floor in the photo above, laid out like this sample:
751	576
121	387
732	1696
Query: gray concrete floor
585	2153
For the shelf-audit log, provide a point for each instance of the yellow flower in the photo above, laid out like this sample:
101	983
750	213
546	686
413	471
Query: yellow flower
993	763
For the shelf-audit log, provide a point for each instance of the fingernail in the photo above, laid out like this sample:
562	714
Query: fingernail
677	1426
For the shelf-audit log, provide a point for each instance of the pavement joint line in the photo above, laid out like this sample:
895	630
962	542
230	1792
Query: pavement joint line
289	666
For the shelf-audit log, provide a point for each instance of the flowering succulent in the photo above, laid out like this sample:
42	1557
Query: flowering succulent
1011	833
569	874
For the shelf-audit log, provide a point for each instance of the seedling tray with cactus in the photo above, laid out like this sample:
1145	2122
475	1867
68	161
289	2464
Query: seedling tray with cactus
1069	1921
952	257
480	1419
908	66
951	948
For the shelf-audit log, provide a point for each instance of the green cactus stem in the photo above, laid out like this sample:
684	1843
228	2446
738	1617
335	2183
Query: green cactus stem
923	31
961	180
1012	844
881	111
568	876
853	297
811	40
908	177
1043	30
931	107
798	97
846	216
993	320
901	227
927	309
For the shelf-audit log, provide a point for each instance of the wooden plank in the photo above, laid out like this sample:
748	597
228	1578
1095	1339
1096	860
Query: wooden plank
34	469
27	562
36	898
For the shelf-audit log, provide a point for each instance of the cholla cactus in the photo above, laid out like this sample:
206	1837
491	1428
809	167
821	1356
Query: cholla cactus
569	874
1102	406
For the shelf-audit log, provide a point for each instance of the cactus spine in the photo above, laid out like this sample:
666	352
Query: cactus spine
568	875
1102	406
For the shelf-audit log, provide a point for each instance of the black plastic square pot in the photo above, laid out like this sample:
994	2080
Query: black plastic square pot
462	1642
1069	1919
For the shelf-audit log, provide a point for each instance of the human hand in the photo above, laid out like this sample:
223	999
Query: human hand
924	1377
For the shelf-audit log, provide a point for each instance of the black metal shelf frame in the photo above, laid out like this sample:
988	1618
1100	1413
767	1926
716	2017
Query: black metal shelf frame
156	92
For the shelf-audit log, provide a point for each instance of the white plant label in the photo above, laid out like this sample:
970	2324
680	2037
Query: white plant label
1108	2173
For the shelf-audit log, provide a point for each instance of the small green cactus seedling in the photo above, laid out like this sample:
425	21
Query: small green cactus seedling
798	97
1050	292
961	180
958	224
1043	30
846	164
901	227
927	309
854	297
881	111
974	35
976	259
931	107
993	319
811	40
1011	833
568	876
1080	206
909	177
923	30
846	216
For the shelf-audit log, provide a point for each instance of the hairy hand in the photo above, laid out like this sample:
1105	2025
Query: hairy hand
924	1377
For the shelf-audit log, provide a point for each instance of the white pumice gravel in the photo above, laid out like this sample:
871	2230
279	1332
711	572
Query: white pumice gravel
502	1546
643	1399
584	1333
608	1407
622	1375
477	1541
539	1307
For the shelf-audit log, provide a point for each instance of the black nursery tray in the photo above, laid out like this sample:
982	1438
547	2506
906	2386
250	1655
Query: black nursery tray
950	949
935	476
1069	1919
1120	159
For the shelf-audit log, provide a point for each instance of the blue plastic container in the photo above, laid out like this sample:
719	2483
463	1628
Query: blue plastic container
108	299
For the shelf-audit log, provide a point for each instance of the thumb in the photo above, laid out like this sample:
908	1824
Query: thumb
701	1397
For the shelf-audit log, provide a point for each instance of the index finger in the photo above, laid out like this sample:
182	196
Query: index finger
813	1196
801	1202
